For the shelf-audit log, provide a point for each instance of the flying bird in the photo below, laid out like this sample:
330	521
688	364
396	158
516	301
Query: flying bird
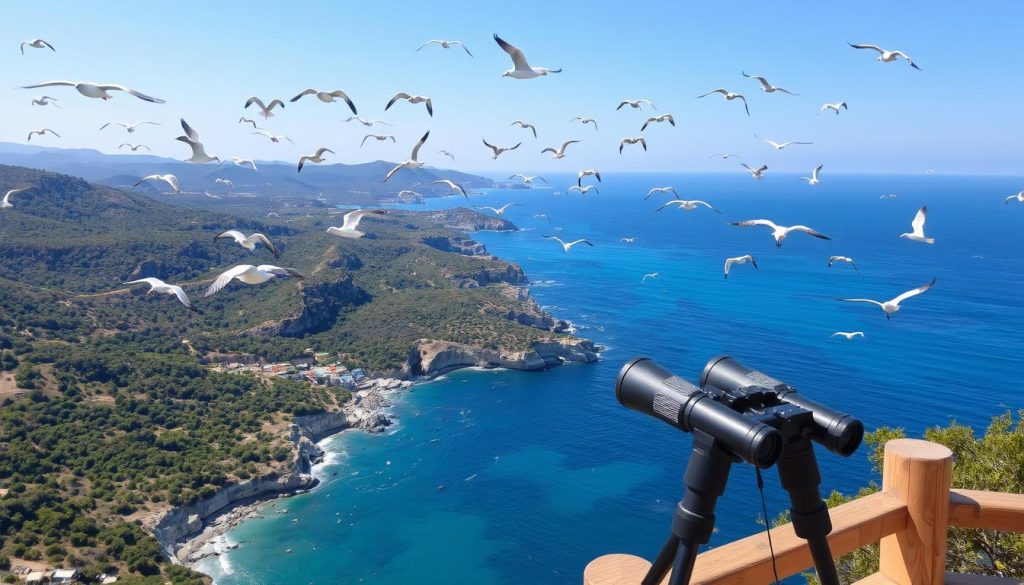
757	173
780	145
637	140
446	153
6	202
497	150
767	87
169	179
316	157
244	120
849	335
887	56
889	196
275	138
192	139
1019	197
521	69
226	182
41	132
560	151
813	179
583	190
365	122
250	274
628	240
411	163
845	259
134	147
500	210
96	90
129	127
671	190
239	161
45	100
37	44
265	110
587	173
350	221
892	306
656	119
527	179
327	97
635	104
412	99
585	120
248	242
378	138
687	205
567	245
780	232
455	187
917	232
738	260
446	45
649	275
525	125
160	287
834	107
728	95
724	156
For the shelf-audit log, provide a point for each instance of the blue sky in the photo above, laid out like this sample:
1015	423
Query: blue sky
959	115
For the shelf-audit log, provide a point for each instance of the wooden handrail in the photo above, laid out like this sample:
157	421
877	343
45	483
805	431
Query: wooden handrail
988	510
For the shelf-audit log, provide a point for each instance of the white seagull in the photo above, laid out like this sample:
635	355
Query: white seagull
656	119
525	125
412	99
41	132
365	122
889	196
813	179
738	260
129	127
250	274
1019	198
671	190
729	96
239	161
649	275
446	153
96	90
628	240
446	45
316	157
846	259
886	56
168	178
780	145
779	232
267	111
350	221
527	179
586	120
635	104
521	69
834	107
244	120
917	233
45	100
158	286
500	210
560	151
636	140
455	187
327	97
411	163
687	205
497	150
192	139
587	173
37	44
378	138
134	147
892	306
248	242
567	245
765	86
757	173
583	190
6	202
849	335
275	138
724	156
226	182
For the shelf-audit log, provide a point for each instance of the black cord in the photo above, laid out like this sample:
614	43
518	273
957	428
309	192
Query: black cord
767	522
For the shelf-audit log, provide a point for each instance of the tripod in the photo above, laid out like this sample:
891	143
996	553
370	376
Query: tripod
706	476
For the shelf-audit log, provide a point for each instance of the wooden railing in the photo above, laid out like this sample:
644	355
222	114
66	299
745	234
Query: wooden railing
910	516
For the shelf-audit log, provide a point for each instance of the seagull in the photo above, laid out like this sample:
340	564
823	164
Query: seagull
129	127
649	275
446	153
889	196
724	156
1019	197
671	190
757	173
248	242
587	173
45	100
250	274
412	99
813	179
687	205
6	202
656	119
892	306
41	132
834	107
158	286
96	90
446	45
729	96
191	138
366	122
455	187
567	245
378	137
887	56
134	147
169	179
525	125
227	182
917	225
497	150
779	232
527	179
638	139
350	221
585	120
265	110
765	86
411	163
239	161
500	210
37	44
739	260
635	104
779	145
849	335
327	97
210	195
275	138
273	214
583	190
244	120
560	151
847	259
628	240
316	157
521	69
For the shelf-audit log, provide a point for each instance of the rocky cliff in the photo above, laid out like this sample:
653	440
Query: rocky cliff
432	358
321	304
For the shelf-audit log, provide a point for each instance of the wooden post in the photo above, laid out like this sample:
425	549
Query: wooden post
918	473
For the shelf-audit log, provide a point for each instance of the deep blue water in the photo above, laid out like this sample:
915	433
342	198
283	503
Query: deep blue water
545	471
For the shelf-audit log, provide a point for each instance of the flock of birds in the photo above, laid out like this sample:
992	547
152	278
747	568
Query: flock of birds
521	69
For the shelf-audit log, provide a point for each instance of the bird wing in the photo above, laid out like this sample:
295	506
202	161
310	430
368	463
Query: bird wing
518	57
814	173
180	293
266	242
580	241
567	143
673	202
271	105
131	91
340	94
416	149
306	92
555	238
257	101
428	43
549	149
756	222
398	96
430	107
226	277
873	302
518	144
150	281
392	172
351	219
320	151
464	48
919	219
189	131
720	90
51	84
809	231
491	146
913	293
280	271
234	234
364	140
873	47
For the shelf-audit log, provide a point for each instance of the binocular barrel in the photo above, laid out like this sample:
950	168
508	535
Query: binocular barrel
646	387
837	432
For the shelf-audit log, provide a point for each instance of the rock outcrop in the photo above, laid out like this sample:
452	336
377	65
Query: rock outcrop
432	358
468	220
321	303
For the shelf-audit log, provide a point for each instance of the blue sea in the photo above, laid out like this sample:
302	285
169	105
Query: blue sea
542	472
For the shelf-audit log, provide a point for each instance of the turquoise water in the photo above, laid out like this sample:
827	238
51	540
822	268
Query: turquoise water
541	472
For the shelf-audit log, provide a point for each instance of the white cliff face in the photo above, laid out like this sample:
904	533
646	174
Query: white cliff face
432	358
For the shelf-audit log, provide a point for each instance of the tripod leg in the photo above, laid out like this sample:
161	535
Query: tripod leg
799	475
662	564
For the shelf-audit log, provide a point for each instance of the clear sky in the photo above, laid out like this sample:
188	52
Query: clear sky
961	114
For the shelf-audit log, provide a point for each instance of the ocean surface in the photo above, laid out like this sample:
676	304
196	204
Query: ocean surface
500	477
